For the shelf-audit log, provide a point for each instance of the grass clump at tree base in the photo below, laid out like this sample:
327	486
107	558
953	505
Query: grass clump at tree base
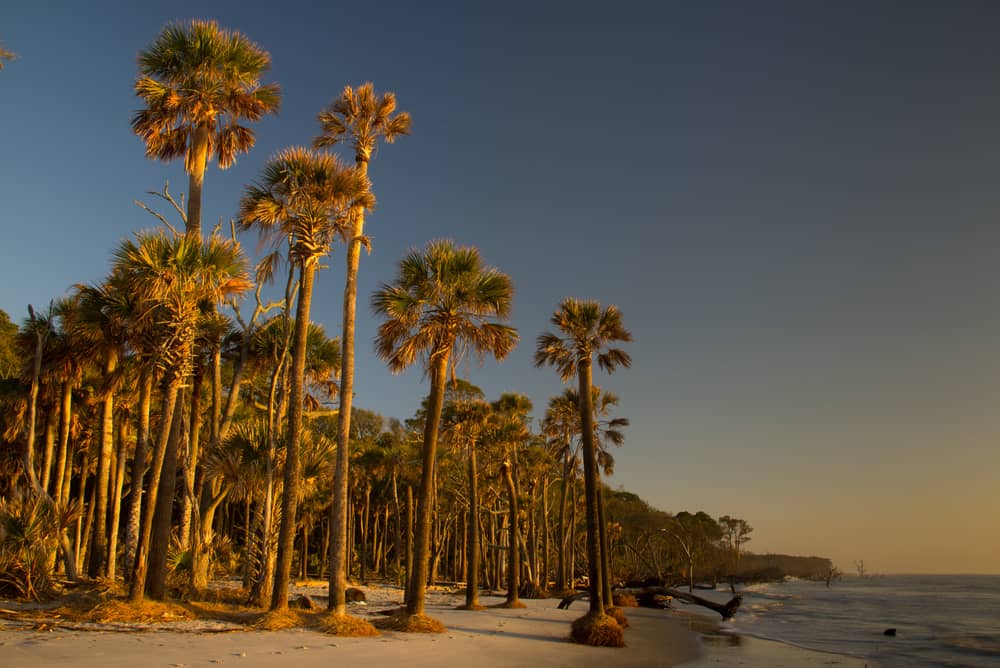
618	615
475	607
597	630
347	626
400	621
278	620
118	611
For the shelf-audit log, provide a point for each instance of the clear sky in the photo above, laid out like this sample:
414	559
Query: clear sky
794	205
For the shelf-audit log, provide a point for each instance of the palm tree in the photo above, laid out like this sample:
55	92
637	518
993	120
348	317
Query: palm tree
443	301
363	117
173	278
199	82
304	197
466	421
586	330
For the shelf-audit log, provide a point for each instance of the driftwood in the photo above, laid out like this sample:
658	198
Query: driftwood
647	598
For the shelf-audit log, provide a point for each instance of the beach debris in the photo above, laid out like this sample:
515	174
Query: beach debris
889	632
303	602
355	595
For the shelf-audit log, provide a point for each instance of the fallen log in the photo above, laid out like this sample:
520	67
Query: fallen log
647	598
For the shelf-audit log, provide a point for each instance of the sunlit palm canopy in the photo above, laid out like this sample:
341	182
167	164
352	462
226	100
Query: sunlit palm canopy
363	116
443	300
174	281
304	197
198	75
586	330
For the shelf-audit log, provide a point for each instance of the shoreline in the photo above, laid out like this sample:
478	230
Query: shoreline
721	646
493	638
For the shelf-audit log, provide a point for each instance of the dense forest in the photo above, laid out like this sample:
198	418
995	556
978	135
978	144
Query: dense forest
169	425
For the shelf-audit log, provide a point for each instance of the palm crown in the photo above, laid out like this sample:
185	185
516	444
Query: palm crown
194	76
364	116
443	297
586	330
305	196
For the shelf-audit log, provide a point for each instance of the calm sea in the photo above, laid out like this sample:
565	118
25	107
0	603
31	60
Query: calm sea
940	620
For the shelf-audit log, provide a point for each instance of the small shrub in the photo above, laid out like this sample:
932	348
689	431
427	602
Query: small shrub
597	630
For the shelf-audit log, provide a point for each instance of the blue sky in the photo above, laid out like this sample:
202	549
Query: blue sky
793	204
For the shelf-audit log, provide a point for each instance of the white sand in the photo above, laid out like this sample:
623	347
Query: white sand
535	636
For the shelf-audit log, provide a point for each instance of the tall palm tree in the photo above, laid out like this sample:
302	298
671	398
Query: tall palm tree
443	301
173	279
199	82
585	330
362	117
304	197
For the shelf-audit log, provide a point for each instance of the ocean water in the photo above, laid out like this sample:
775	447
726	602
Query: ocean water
940	620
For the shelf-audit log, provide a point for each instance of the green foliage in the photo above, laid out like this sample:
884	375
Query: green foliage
29	534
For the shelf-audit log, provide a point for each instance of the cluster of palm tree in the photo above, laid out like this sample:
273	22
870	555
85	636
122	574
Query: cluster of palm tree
121	378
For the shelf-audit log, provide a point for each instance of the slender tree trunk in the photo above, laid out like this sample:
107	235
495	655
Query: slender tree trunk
195	167
163	517
193	460
398	547
138	470
289	501
338	511
562	581
472	540
410	521
51	425
513	551
590	481
65	414
140	569
99	550
605	554
545	535
116	500
421	546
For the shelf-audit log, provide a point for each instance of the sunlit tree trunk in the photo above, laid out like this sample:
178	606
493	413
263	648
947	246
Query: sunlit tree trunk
137	584
138	470
421	541
289	502
99	552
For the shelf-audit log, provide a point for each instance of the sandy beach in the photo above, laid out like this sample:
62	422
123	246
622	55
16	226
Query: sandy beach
533	636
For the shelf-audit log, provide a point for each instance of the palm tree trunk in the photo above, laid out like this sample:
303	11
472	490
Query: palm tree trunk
338	511
513	551
410	521
197	162
545	536
137	586
163	517
421	546
398	536
590	482
605	556
51	425
65	413
138	469
193	459
472	546
116	500
98	552
289	501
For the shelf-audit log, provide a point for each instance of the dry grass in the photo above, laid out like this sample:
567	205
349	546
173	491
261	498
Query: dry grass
618	615
401	621
625	601
278	620
117	611
347	626
598	630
